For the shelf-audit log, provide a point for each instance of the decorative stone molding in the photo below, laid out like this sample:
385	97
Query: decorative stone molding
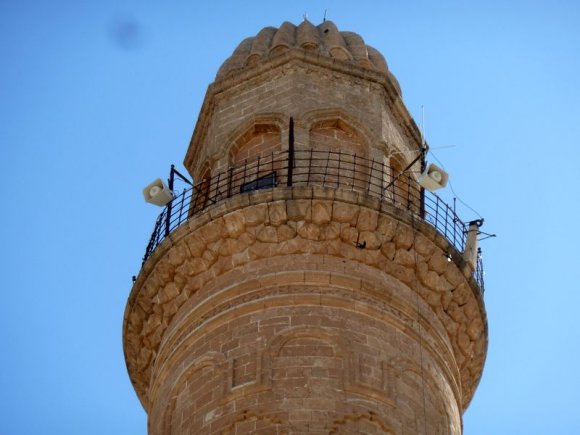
236	234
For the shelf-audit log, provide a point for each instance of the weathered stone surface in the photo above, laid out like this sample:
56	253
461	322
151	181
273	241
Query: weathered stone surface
389	250
285	232
321	212
371	239
298	209
367	220
387	226
195	244
432	297
256	214
405	257
438	262
462	294
465	343
330	231
424	246
169	292
229	247
402	273
277	213
446	298
264	242
165	271
267	234
349	235
181	275
235	223
403	238
453	274
344	212
177	255
170	308
371	256
260	250
475	328
196	266
209	257
471	309
213	231
308	230
450	325
456	313
429	278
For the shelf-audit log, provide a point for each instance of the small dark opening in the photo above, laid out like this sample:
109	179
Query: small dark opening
263	182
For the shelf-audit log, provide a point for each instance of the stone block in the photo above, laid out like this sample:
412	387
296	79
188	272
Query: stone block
255	214
367	219
277	213
235	223
438	262
321	211
330	231
344	212
268	234
423	245
299	209
308	230
389	250
403	237
285	232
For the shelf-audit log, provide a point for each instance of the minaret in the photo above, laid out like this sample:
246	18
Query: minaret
308	282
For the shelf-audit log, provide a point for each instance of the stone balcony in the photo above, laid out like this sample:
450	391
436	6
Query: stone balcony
367	180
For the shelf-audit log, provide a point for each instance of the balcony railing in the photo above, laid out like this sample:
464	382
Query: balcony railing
316	168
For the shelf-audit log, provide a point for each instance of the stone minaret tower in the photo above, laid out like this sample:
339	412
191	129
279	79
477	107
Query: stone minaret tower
306	283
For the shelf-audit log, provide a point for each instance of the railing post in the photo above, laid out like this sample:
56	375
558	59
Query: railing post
168	217
409	201
446	218
436	212
370	175
217	188
245	170
382	179
272	165
354	172
181	207
338	170
290	153
392	185
230	176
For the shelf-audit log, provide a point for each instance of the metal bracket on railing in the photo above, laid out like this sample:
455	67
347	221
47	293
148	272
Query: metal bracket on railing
423	162
172	173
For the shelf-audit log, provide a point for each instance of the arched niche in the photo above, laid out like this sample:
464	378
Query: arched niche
199	387
335	134
261	140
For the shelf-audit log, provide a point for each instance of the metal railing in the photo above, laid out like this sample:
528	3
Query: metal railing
316	168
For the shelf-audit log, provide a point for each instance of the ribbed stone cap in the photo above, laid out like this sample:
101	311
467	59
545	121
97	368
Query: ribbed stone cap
324	39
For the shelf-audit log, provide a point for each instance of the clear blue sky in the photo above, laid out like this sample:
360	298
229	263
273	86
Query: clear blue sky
98	98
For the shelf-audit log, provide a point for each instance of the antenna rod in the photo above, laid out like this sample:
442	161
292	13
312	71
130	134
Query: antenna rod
420	156
423	126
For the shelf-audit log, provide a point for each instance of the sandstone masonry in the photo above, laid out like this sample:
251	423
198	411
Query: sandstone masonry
261	313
